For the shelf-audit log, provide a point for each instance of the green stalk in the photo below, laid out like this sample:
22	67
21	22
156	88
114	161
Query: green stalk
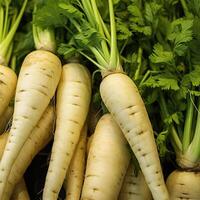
99	57
188	125
4	45
174	135
13	62
107	34
99	24
1	23
6	22
113	46
195	144
93	61
88	11
44	39
139	61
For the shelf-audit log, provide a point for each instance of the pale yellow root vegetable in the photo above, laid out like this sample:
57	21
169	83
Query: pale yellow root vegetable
75	174
20	192
8	81
107	162
73	100
5	118
134	186
37	140
124	102
184	185
37	83
3	140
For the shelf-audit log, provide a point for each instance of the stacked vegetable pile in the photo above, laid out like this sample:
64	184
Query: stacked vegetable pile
101	99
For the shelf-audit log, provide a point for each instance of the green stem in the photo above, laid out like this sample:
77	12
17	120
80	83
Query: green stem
44	39
113	45
4	45
188	125
92	60
13	63
99	24
99	56
195	144
88	11
1	23
107	34
9	53
144	78
174	135
6	22
139	61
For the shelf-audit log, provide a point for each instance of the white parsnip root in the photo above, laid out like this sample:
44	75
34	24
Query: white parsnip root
73	100
184	185
6	118
107	162
134	186
37	83
37	140
124	102
75	174
8	81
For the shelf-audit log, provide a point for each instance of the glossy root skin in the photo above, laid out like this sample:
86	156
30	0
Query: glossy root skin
107	162
37	83
184	185
125	104
73	100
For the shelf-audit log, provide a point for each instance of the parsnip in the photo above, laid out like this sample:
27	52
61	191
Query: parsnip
130	113
184	185
37	82
39	137
73	100
6	118
134	186
107	162
75	174
8	81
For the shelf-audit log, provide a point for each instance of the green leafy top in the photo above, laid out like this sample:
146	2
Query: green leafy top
91	35
10	16
174	76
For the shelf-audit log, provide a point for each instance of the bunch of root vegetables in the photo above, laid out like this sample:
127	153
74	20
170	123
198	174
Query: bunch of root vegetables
110	90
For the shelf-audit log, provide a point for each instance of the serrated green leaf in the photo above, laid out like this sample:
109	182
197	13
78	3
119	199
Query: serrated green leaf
161	142
136	14
175	117
146	30
151	11
70	10
66	50
123	32
163	81
193	77
44	17
180	33
159	55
